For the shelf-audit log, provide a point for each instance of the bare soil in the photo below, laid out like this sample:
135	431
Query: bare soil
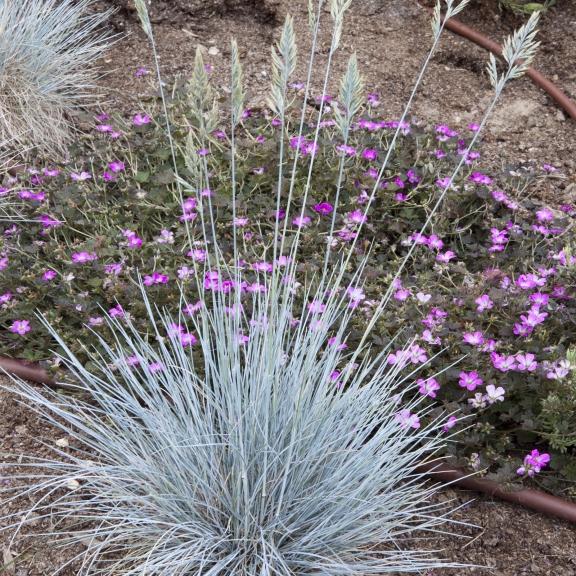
391	38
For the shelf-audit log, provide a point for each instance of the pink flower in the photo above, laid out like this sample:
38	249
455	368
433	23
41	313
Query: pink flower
479	178
502	362
301	221
473	338
417	354
5	298
356	295
81	176
533	318
444	182
529	281
188	339
323	208
116	166
533	463
155	278
241	221
539	299
83	257
423	298
544	215
154	367
450	423
347	150
356	217
370	154
402	294
49	222
48	275
141	119
337	344
526	363
445	257
316	307
133	240
116	311
484	303
470	380
435	242
428	387
407	420
494	394
20	327
197	254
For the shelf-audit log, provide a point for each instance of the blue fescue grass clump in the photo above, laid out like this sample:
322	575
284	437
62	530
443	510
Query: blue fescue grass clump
47	48
243	437
238	456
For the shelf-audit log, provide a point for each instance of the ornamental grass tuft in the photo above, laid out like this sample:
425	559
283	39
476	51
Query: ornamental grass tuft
47	48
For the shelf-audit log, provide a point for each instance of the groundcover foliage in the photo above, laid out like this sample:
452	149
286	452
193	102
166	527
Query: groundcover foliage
490	285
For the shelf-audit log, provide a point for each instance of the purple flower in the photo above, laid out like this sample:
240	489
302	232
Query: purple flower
83	257
534	317
188	339
402	294
526	363
5	298
305	147
116	311
155	278
428	387
484	303
141	72
316	307
445	257
356	217
301	221
115	268
346	150
133	240
533	463
479	178
48	275
407	420
80	177
450	423
323	208
20	327
530	281
494	394
473	338
539	299
373	99
141	119
470	380
502	362
370	154
49	222
117	166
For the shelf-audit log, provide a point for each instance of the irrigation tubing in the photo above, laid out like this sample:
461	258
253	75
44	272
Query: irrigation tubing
562	99
528	498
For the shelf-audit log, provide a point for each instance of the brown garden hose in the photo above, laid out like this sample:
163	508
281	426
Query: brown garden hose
553	91
526	497
532	499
